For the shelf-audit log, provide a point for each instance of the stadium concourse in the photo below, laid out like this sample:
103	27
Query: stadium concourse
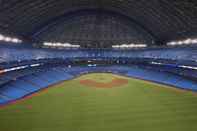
142	46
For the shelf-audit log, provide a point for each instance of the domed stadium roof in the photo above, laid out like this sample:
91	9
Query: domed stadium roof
159	21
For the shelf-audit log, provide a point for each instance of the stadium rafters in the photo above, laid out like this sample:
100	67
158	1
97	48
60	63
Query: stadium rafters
166	20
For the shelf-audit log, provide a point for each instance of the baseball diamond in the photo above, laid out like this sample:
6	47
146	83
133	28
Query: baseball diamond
77	105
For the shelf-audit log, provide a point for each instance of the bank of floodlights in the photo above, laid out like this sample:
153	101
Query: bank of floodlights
62	45
128	46
9	39
183	42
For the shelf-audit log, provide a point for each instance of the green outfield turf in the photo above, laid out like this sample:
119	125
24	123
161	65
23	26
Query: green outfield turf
136	106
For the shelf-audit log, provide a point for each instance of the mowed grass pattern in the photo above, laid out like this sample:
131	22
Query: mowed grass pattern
69	106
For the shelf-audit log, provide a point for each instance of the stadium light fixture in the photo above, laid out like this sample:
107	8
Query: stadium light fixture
15	40
65	45
188	67
156	63
1	37
9	39
127	46
188	41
